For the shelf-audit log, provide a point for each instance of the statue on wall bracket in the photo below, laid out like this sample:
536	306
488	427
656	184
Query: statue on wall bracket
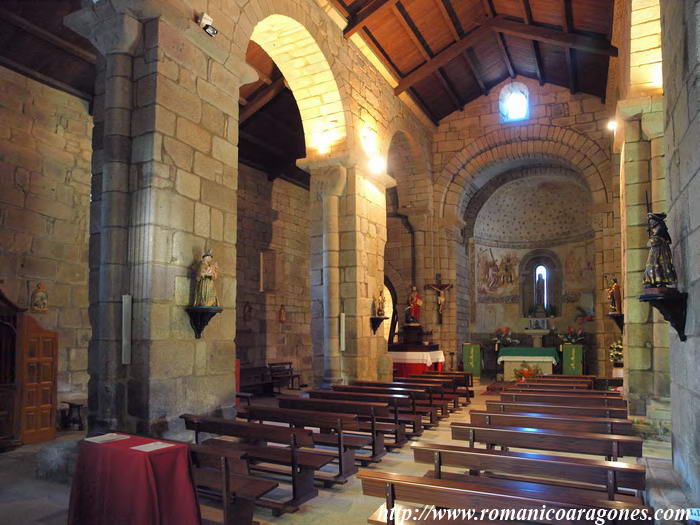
660	278
205	304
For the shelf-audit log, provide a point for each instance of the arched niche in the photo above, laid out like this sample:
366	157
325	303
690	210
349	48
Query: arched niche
528	274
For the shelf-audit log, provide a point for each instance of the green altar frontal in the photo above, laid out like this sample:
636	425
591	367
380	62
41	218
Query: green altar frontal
572	359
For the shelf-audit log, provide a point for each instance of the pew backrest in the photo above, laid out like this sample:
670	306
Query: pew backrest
249	431
545	408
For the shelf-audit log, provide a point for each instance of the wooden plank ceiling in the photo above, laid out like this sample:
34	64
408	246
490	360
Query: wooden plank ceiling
446	53
35	43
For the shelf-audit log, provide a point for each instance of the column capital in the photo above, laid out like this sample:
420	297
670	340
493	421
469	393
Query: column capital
111	29
329	181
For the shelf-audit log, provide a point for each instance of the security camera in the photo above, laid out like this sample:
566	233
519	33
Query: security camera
205	22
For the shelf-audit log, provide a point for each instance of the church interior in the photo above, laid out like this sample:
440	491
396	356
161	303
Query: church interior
291	261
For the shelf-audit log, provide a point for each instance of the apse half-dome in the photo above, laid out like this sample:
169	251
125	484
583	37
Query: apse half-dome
536	210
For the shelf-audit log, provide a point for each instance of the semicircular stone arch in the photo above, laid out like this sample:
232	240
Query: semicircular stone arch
516	146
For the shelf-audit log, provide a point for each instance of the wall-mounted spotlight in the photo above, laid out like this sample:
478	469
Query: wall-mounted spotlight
612	125
205	22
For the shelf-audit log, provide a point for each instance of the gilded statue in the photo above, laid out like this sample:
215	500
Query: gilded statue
207	273
615	297
659	271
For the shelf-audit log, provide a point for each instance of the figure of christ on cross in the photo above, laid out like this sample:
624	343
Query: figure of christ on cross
441	294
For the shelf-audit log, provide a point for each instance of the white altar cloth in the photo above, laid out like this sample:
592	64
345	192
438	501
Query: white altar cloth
425	358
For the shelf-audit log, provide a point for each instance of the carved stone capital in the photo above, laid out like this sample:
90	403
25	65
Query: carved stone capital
108	29
329	181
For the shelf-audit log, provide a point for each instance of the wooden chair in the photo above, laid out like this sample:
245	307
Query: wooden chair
283	375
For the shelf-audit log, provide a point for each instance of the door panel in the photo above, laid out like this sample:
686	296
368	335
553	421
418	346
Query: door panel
39	365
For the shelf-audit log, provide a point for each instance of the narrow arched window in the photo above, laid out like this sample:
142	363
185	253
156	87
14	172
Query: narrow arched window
514	102
541	287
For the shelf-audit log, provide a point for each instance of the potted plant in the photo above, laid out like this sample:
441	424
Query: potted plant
615	354
504	337
572	337
525	371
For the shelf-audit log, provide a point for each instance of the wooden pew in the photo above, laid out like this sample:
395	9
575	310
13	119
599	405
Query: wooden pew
554	386
610	477
555	422
369	412
298	464
399	404
465	379
332	433
563	399
223	475
612	446
584	383
420	396
543	408
394	402
449	385
450	494
534	389
434	389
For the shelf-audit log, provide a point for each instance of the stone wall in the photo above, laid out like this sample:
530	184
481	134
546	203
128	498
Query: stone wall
45	156
681	53
473	146
273	218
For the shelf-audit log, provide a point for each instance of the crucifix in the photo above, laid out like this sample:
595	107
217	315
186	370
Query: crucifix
441	294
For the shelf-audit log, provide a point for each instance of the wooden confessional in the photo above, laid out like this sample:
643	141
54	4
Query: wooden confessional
28	366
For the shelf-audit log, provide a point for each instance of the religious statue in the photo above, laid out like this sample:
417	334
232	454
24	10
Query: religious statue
659	271
379	303
539	292
615	297
39	301
414	305
441	295
208	272
282	314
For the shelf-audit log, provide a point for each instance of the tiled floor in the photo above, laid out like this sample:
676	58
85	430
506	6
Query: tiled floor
24	500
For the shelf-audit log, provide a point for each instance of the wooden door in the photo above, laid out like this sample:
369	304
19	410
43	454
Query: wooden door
39	349
8	383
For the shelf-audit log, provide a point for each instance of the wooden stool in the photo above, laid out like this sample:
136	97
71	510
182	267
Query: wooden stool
72	415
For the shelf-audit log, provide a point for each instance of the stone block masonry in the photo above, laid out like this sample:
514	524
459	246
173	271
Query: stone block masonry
45	153
273	217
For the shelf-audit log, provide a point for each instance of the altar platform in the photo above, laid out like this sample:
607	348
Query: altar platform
513	357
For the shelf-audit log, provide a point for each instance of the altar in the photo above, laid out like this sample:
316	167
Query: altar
416	362
513	357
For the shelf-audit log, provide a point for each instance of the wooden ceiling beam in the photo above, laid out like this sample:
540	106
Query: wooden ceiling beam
358	20
475	71
265	96
527	16
47	36
443	57
401	15
567	24
500	40
446	17
598	46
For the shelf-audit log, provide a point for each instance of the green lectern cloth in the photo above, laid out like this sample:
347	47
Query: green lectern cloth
511	353
572	359
471	358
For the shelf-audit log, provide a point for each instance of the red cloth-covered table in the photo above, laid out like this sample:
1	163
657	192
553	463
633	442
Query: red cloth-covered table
406	363
115	485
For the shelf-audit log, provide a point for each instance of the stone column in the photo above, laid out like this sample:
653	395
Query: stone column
166	118
327	184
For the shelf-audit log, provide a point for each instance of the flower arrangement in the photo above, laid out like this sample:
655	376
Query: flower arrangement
615	353
525	371
572	337
504	337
